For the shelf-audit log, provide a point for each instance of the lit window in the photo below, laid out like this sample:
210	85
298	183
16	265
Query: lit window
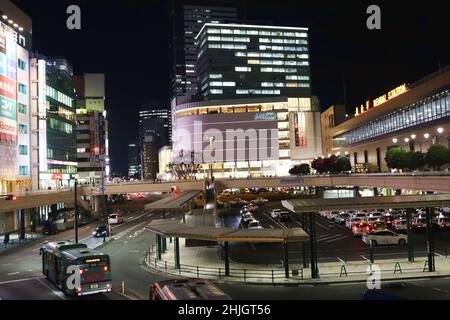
243	69
216	91
250	61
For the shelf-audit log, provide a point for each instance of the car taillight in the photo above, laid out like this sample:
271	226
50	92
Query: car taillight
81	271
105	268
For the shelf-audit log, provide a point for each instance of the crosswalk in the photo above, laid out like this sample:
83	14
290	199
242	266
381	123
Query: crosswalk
328	238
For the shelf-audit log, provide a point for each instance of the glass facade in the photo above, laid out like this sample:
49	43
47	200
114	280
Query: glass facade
426	110
251	57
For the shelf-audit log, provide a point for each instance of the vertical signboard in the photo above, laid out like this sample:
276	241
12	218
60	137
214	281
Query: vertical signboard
8	85
300	130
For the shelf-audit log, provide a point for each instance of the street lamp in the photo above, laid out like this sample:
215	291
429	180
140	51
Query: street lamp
406	140
440	130
395	140
426	135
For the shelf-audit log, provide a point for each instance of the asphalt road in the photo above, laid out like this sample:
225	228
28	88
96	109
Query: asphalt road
21	278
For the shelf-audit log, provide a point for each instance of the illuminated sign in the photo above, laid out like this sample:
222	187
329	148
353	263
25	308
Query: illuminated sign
397	91
92	260
267	116
383	98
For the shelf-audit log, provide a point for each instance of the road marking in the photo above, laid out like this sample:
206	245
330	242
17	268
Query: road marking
364	258
58	293
341	260
20	280
13	273
134	251
271	226
438	254
336	239
6	264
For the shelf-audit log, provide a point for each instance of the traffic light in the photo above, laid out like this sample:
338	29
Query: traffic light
11	197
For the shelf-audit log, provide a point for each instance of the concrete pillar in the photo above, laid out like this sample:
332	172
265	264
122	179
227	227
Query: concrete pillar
21	213
177	253
356	192
286	259
227	259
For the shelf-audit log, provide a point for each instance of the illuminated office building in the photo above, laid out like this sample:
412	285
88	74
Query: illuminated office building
187	18
92	129
250	61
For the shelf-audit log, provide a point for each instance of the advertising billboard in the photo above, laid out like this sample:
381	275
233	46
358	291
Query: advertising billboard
232	137
8	85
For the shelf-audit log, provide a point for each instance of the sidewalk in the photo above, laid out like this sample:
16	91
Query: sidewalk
205	262
15	242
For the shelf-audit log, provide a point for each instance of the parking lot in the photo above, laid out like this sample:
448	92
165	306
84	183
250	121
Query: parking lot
335	242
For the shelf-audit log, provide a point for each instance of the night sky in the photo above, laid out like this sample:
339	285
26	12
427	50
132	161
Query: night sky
128	41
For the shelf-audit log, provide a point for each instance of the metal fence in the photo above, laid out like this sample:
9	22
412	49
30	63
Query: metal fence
274	276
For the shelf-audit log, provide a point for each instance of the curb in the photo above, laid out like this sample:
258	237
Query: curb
151	269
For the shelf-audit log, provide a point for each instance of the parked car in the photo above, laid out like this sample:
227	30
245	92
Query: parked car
101	231
323	214
389	219
274	213
384	237
246	218
399	225
351	221
284	216
351	212
332	215
255	224
419	224
442	222
115	218
359	229
376	225
260	200
340	219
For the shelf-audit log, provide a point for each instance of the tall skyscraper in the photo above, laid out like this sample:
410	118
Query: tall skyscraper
92	129
186	22
248	61
134	160
54	122
155	131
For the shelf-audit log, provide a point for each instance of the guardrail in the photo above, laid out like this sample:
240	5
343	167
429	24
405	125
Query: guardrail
242	274
274	276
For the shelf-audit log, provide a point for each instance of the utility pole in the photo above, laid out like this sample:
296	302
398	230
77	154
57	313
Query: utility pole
76	212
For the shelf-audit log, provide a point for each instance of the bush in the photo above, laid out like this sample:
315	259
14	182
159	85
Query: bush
436	156
301	169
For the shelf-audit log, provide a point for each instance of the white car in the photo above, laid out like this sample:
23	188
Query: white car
351	212
349	223
115	218
323	214
247	217
384	237
399	224
332	215
255	224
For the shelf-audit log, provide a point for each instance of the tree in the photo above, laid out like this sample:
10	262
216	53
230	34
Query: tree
343	164
184	166
416	160
300	169
397	158
436	156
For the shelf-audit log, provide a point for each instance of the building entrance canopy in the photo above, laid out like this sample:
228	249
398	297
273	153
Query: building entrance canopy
173	228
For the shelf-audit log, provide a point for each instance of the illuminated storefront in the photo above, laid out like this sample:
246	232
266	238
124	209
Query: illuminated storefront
15	149
247	137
